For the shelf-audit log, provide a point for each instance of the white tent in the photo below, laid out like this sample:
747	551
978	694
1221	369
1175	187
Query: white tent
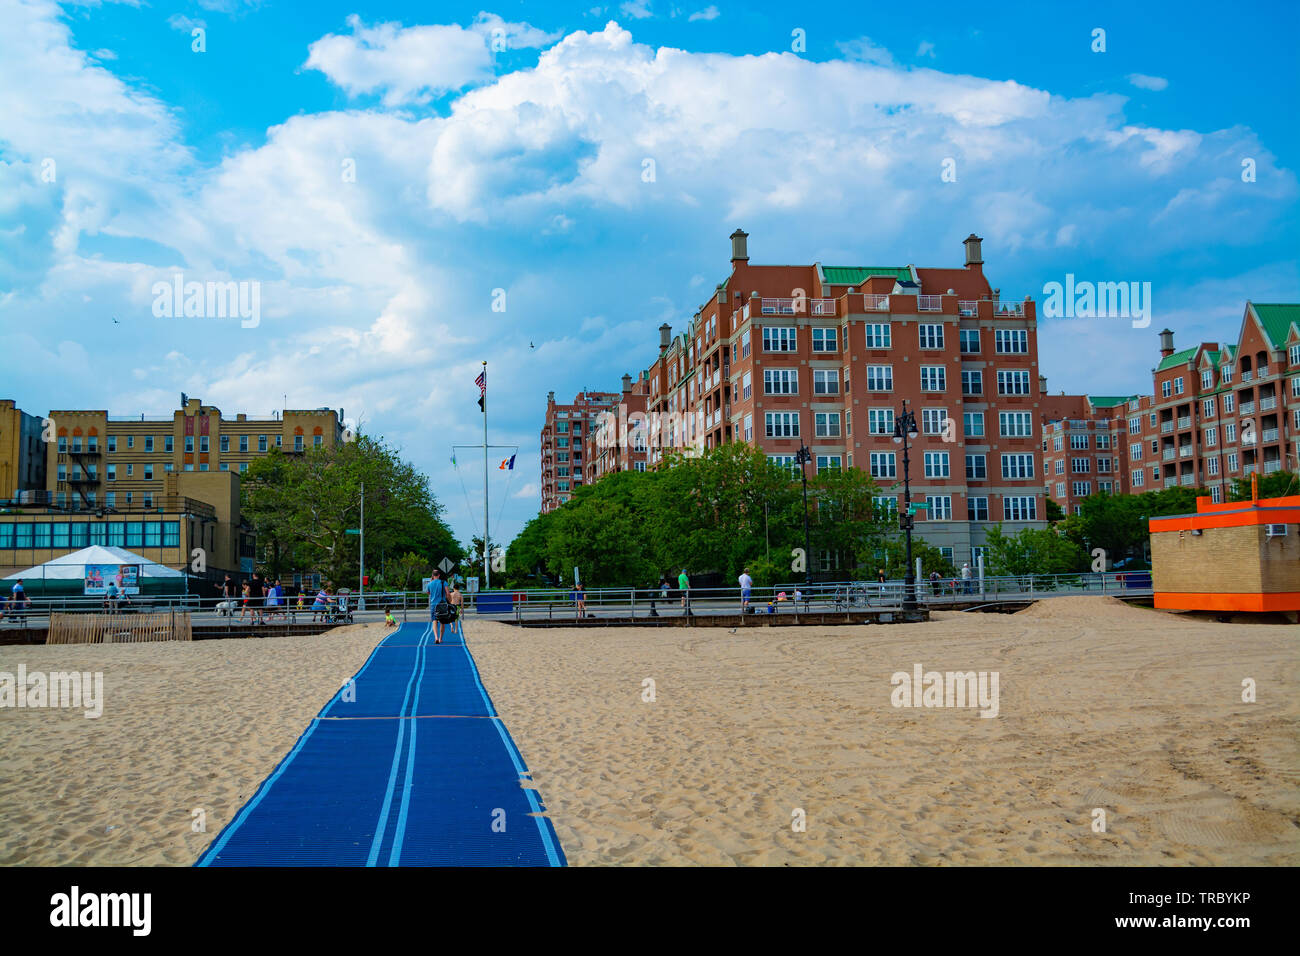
71	567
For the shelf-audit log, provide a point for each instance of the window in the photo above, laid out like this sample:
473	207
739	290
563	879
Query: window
932	420
976	468
780	381
1020	508
1103	466
746	385
1138	478
826	425
1153	419
1295	387
640	465
203	444
1207	378
148	443
297	443
1165	388
1212	466
749	428
130	469
1178	386
1207	408
1103	440
826	381
878	336
1155	446
885	505
1216	494
1229	403
189	444
781	424
169	444
880	421
1017	466
940	508
1080	466
972	424
880	378
972	382
828	463
930	336
968	341
1105	487
1011	341
112	443
1019	425
1060	466
1081	489
933	378
562	443
882	465
261	443
1060	489
1155	473
936	464
848	430
977	509
1211	436
148	472
779	339
1232	461
1078	442
1012	382
1135	424
1229	433
110	469
824	340
130	441
1226	374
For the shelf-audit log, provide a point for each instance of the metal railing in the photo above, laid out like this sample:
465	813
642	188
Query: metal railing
929	303
875	303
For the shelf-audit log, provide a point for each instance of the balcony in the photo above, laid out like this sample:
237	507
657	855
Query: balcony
1184	422
876	303
967	307
1270	434
822	306
1169	454
777	306
1267	404
1272	465
1188	479
1171	482
1249	470
1166	428
1185	451
1245	376
1246	408
1261	372
929	303
1008	308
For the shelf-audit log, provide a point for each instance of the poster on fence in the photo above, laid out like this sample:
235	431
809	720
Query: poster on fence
125	576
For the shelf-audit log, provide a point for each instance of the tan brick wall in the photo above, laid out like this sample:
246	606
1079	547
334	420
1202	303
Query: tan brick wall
1226	560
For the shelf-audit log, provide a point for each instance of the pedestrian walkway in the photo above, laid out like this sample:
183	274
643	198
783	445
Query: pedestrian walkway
408	765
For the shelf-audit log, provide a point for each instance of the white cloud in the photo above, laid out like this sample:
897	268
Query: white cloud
637	9
517	35
865	50
925	48
178	21
1144	82
708	13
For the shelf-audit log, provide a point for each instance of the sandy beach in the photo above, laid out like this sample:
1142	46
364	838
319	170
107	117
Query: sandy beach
1101	706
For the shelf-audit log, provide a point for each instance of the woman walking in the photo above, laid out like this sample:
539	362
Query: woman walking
439	606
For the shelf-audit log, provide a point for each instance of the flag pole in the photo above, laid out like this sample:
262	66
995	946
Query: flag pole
487	574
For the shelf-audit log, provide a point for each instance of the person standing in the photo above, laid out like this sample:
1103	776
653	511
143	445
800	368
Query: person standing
321	605
965	577
437	590
934	583
684	585
580	599
245	593
746	589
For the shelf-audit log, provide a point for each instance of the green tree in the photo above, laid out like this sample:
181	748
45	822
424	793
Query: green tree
1277	485
1031	551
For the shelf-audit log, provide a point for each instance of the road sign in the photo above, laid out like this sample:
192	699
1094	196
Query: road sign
446	565
352	531
912	508
472	583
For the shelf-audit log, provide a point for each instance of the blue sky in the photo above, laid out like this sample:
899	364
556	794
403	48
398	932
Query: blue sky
520	168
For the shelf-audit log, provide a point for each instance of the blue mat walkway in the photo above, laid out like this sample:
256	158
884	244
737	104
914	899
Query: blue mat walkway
410	765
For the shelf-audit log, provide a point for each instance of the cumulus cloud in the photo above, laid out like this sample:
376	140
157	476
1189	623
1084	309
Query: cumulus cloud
708	13
1144	82
178	21
637	9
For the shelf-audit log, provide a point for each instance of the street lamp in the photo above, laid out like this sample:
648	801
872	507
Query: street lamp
801	458
904	432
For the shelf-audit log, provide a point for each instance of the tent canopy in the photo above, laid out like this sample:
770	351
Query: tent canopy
72	567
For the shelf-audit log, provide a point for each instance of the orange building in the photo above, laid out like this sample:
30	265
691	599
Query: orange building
1235	556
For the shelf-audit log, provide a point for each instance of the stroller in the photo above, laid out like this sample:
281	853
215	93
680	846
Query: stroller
340	610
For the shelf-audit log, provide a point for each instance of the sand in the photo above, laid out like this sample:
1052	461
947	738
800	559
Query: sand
1134	712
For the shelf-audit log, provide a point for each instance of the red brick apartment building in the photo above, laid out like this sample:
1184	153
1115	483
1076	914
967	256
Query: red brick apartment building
1084	446
826	355
563	433
1216	412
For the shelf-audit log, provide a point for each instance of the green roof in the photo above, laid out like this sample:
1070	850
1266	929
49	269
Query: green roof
1178	358
1109	401
1277	320
854	275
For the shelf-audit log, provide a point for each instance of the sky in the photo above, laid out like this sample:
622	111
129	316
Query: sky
412	189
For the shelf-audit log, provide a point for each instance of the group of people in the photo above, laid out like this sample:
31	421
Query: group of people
262	598
967	581
444	604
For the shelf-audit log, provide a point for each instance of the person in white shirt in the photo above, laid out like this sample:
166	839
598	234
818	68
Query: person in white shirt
746	589
965	578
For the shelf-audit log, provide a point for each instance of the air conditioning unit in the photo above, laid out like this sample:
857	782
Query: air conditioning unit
1275	531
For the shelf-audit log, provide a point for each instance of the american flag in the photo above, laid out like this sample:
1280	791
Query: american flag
481	382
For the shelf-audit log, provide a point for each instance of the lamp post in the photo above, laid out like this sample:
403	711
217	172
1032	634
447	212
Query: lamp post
802	457
905	432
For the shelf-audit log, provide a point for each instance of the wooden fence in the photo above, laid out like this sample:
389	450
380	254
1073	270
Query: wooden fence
119	628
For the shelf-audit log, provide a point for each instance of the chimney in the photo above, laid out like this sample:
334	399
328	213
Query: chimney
1042	385
550	398
739	252
973	254
665	336
627	383
1166	343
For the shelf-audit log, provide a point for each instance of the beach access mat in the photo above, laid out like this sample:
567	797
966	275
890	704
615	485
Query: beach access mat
408	765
